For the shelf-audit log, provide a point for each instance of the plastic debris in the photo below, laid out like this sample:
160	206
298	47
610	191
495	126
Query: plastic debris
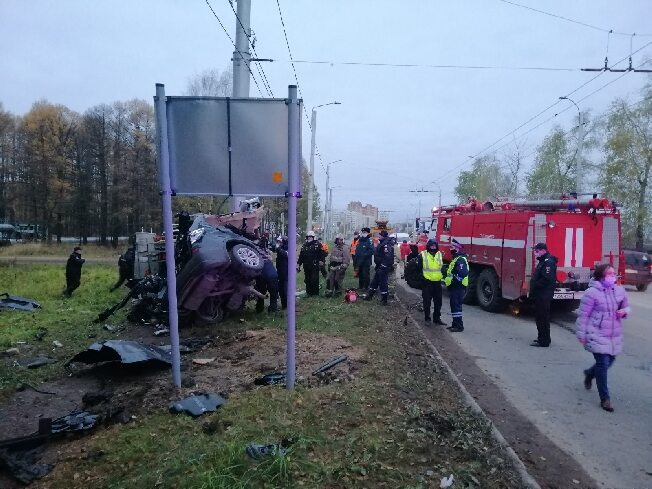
18	303
162	332
202	361
197	405
258	452
330	364
271	379
57	343
11	351
447	481
36	362
123	351
74	422
109	328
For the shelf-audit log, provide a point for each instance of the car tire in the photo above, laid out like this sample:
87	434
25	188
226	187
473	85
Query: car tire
246	259
641	287
210	313
490	297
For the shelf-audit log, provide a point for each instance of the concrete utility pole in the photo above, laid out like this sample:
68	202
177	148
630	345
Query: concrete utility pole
241	55
580	144
313	125
326	194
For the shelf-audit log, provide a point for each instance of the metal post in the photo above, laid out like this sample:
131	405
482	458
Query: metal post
580	144
325	217
294	192
241	66
330	213
166	198
313	124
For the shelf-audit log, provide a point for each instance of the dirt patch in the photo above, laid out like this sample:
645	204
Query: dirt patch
546	462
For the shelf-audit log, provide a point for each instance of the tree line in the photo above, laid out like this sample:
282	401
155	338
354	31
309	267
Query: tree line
615	159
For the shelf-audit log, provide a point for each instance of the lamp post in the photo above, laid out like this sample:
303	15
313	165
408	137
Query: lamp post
313	125
580	142
326	196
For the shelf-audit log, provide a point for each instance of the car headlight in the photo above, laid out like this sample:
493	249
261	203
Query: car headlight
195	235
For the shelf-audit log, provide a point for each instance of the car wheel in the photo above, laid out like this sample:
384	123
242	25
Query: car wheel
210	312
641	287
246	259
488	291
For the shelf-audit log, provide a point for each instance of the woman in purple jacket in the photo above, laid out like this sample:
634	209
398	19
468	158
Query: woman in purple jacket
600	327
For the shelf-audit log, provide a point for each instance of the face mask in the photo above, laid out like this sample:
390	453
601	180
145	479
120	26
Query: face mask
364	235
432	251
609	280
309	239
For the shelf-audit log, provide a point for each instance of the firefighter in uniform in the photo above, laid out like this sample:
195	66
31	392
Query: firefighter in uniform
312	258
429	264
542	289
457	280
364	251
384	260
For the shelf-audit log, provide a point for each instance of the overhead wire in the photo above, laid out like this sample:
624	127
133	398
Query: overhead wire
484	150
235	47
561	17
261	70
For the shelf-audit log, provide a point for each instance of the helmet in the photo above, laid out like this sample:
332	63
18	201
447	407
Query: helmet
310	234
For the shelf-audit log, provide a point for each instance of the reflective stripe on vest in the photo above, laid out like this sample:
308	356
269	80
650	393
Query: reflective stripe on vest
432	266
449	274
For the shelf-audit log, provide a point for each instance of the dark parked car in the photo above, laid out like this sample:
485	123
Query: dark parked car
638	269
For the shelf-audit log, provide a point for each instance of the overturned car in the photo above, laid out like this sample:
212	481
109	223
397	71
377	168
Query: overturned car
217	263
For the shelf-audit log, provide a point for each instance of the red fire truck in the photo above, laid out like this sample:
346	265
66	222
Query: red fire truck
498	238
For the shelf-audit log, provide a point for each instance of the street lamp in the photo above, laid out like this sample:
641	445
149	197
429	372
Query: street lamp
577	157
326	195
313	125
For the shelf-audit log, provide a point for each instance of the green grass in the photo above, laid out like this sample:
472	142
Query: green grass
90	250
68	321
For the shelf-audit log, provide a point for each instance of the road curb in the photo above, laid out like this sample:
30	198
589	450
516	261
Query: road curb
527	479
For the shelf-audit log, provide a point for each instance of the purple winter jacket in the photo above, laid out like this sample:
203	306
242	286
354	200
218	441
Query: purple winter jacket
597	321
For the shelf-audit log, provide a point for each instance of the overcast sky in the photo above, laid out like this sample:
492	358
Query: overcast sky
398	127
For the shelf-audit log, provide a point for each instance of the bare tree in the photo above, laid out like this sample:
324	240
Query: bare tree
211	83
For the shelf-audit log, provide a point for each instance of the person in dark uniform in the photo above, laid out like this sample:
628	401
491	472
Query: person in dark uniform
542	289
282	268
384	261
457	280
126	268
311	257
267	281
73	271
364	252
429	265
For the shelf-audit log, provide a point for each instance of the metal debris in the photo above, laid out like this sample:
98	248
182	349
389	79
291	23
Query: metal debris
271	379
18	303
197	405
122	351
330	364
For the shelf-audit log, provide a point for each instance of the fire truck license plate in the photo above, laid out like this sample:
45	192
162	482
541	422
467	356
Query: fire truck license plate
563	296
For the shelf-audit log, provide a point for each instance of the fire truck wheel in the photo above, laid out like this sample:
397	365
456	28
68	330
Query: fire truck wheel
471	297
490	296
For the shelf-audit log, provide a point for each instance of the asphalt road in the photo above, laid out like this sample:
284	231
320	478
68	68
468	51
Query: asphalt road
546	385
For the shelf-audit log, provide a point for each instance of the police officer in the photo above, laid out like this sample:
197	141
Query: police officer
312	257
429	264
384	261
457	280
364	251
282	268
542	289
73	271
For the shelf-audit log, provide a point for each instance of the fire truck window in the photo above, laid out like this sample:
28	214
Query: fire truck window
447	224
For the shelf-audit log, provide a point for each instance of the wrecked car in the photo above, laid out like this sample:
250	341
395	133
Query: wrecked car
217	262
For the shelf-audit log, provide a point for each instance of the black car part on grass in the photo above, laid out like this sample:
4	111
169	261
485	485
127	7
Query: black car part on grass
199	404
151	301
18	303
330	364
122	351
271	379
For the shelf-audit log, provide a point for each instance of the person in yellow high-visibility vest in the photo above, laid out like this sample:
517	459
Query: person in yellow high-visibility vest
457	280
429	264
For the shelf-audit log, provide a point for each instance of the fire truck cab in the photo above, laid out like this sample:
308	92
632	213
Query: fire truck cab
498	238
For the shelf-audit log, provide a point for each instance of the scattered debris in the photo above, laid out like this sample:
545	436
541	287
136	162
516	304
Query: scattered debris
202	361
162	332
57	343
197	405
40	334
271	379
11	351
257	451
74	422
18	303
23	464
109	328
36	362
25	385
330	364
123	351
447	481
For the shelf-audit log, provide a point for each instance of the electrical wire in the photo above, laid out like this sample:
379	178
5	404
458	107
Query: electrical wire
260	68
235	47
561	17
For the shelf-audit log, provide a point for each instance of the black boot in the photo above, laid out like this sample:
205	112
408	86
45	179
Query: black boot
383	299
370	295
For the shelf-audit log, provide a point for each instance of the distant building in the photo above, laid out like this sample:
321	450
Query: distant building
366	210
